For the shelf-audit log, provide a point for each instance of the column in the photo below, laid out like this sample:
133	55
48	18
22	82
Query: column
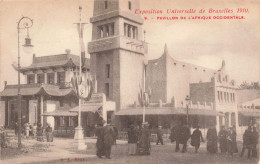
125	29
55	77
110	28
98	32
238	130
41	110
229	119
25	79
105	30
45	78
35	78
130	31
217	123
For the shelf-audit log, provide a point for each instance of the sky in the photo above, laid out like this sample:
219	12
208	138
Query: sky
201	42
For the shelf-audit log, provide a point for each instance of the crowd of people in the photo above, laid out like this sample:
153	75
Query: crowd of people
36	130
139	139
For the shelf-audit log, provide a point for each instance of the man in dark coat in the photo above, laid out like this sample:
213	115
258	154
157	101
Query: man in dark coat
247	142
109	139
231	141
177	135
132	140
184	137
100	140
144	146
255	142
222	137
212	140
159	136
196	138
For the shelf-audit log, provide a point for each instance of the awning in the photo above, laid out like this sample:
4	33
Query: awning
87	108
249	113
255	102
60	113
167	111
35	89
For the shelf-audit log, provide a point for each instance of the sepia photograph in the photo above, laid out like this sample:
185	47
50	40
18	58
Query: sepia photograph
129	81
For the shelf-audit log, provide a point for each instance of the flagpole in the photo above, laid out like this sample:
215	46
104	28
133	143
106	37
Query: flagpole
79	135
80	69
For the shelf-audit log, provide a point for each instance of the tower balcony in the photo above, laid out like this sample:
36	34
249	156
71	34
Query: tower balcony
118	42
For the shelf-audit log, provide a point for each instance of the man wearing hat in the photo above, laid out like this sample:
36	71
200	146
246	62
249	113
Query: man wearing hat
109	139
100	138
143	146
159	135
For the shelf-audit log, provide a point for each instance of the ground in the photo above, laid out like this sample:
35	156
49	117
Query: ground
61	151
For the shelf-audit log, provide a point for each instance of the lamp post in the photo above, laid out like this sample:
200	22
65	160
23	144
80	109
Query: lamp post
187	100
23	23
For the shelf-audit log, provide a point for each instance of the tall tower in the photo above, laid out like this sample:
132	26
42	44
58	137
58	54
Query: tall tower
117	50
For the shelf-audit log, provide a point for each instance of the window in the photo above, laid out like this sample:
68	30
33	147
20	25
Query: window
231	97
100	32
227	96
71	121
62	121
40	78
130	31
107	70
107	89
129	5
234	97
218	96
221	96
105	4
61	103
60	77
125	29
30	79
50	78
112	29
134	32
107	30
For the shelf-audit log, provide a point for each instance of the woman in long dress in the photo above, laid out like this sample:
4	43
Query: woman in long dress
132	140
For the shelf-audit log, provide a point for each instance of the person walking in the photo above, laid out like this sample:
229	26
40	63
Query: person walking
184	137
143	145
132	140
48	132
247	142
177	136
108	139
212	140
99	132
222	137
196	138
231	141
255	142
159	135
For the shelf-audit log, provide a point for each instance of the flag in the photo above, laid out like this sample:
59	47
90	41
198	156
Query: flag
80	27
74	83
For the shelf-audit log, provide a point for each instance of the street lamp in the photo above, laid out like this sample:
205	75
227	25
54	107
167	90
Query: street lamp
23	23
187	100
